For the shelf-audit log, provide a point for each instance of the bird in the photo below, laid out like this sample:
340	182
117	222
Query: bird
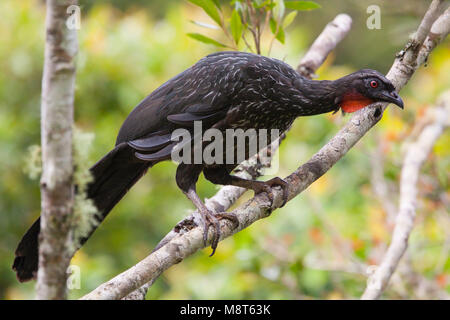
222	91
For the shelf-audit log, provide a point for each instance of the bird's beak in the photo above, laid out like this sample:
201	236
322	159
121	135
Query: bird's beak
394	98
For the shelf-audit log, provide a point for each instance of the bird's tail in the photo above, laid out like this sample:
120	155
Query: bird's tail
113	176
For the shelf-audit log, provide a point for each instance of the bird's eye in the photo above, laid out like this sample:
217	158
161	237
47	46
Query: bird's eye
374	84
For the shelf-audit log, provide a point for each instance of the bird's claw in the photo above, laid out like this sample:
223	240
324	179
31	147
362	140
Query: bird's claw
267	188
213	219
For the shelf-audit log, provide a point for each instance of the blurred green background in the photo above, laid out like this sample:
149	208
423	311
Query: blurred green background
317	246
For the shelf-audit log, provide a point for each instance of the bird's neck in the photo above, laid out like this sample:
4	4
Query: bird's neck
316	96
322	96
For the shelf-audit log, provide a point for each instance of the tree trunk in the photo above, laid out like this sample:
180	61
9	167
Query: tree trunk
57	190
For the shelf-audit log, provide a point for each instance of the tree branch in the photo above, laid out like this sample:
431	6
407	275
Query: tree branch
58	84
333	33
381	187
257	208
416	155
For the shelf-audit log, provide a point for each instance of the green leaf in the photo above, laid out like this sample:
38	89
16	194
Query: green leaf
302	5
280	36
210	8
205	39
236	26
261	4
289	19
216	2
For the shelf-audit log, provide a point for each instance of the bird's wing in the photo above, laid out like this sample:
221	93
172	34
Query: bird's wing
160	155
150	144
158	146
197	112
201	93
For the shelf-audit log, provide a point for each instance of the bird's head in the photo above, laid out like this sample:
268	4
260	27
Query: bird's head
363	87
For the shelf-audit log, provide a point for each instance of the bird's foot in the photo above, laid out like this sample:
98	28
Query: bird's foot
213	219
266	186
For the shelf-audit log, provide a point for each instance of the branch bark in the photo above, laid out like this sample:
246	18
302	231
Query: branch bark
381	187
57	189
257	208
415	156
333	33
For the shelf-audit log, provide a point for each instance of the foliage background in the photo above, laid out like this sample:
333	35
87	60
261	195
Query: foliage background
305	250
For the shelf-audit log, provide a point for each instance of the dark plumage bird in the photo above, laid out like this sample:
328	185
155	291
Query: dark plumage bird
223	90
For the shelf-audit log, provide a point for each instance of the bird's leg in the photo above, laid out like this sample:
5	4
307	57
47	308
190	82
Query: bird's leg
263	186
220	175
210	218
187	176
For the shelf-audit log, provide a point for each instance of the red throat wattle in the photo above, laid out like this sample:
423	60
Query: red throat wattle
353	101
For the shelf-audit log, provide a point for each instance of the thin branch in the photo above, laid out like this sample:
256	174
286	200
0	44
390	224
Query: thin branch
416	155
333	33
252	17
421	34
439	30
417	49
381	187
57	189
257	208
